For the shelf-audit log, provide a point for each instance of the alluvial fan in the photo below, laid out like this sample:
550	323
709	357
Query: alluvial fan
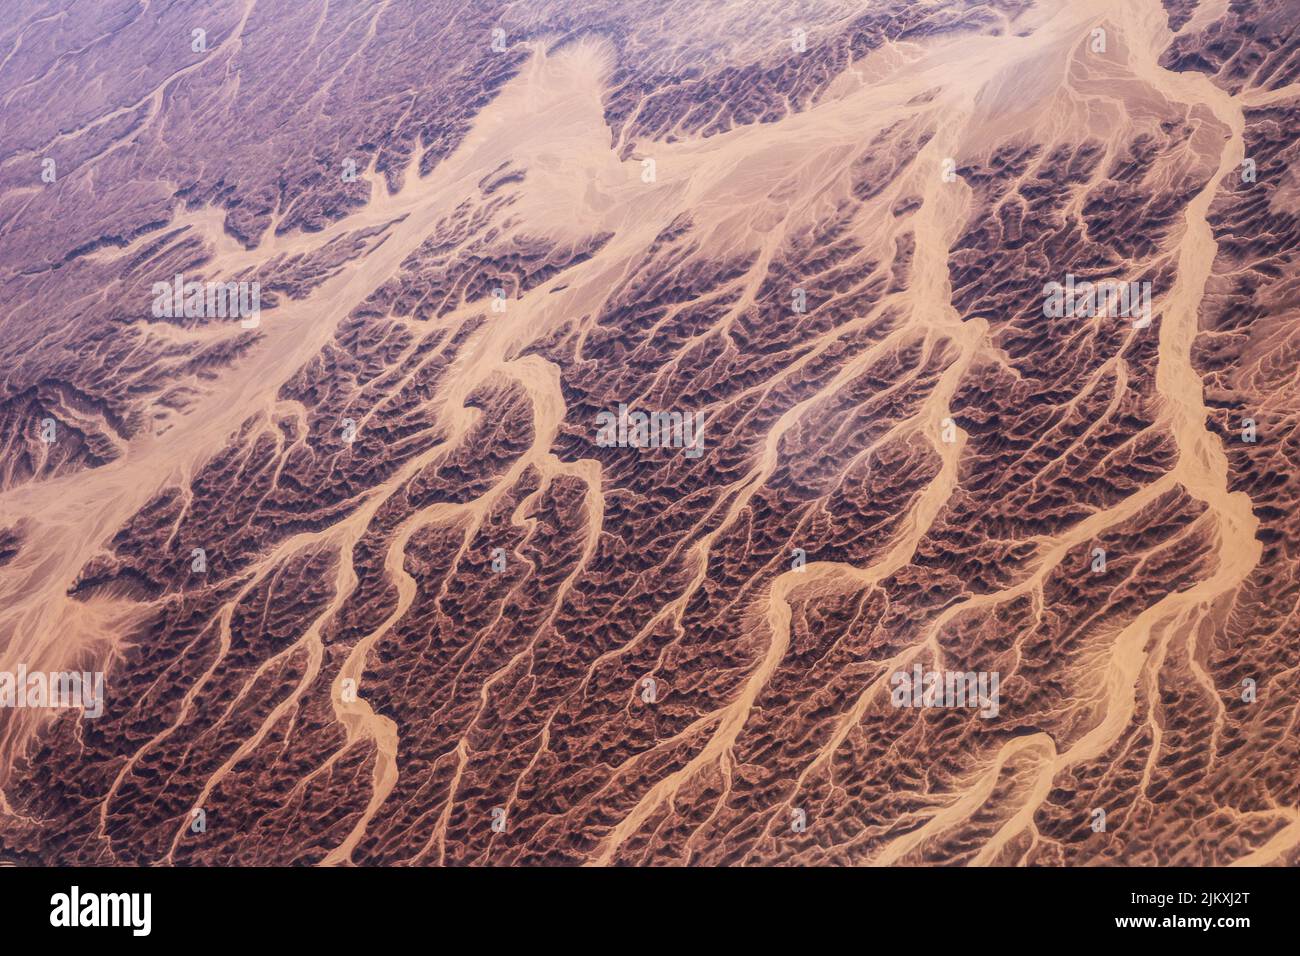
580	432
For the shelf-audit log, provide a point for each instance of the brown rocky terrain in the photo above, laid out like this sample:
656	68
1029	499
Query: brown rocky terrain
368	586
